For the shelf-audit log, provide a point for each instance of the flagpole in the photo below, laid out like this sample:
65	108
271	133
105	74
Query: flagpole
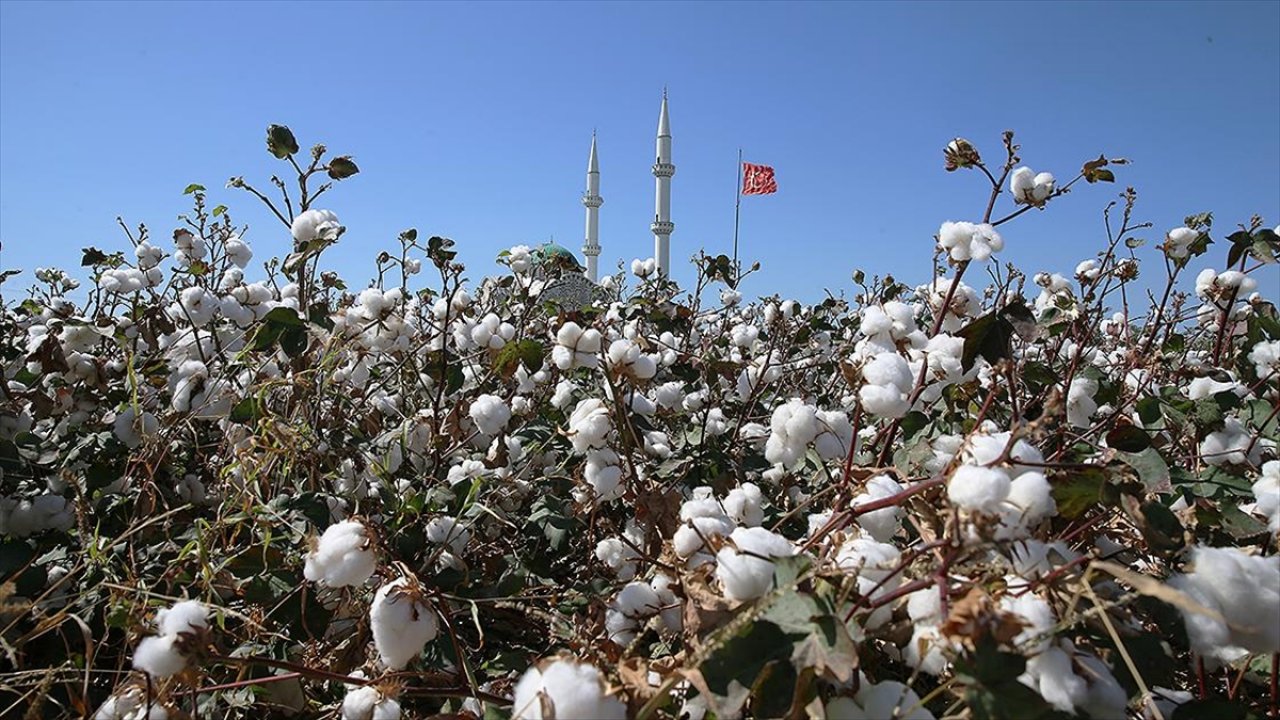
737	211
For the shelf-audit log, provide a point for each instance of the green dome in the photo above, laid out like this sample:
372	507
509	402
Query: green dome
558	255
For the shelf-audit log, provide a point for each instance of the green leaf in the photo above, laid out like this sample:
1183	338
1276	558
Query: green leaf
1152	470
293	340
193	188
280	141
1149	410
92	256
509	358
1079	492
912	423
341	168
284	316
219	210
246	410
1128	438
988	336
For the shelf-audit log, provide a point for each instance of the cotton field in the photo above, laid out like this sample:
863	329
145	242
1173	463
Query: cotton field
238	490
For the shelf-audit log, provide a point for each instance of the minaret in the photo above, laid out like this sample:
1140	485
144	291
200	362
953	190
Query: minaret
592	200
662	172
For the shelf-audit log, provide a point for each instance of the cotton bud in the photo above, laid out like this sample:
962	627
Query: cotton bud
960	153
403	622
564	689
341	556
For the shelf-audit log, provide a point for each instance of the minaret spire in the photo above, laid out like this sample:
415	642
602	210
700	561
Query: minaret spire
592	201
663	170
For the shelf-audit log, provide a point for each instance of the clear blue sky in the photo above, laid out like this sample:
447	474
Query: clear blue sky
473	121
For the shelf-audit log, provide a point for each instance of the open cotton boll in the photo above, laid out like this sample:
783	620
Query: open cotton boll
1266	492
967	241
570	690
743	505
366	702
886	383
131	704
159	656
490	414
744	568
630	609
978	489
1244	589
313	224
1177	243
342	556
576	347
873	562
792	427
880	524
1265	357
1029	501
1080	403
403	622
604	477
447	531
1228	446
1050	673
187	616
879	701
835	433
1037	617
589	425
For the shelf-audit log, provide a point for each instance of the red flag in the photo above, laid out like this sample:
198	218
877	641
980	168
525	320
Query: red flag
758	179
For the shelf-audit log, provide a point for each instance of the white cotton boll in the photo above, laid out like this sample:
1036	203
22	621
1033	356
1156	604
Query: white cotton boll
987	447
589	425
402	622
889	699
1203	387
342	556
967	241
570	691
1228	445
238	251
925	606
1245	589
1266	492
604	475
1265	357
1177	243
1051	674
632	606
687	541
872	562
197	305
1044	183
887	382
368	703
1080	403
669	394
159	657
744	568
621	556
187	616
1106	698
880	524
312	224
834	436
563	394
1163	702
576	347
1022	184
132	429
447	531
1031	497
793	426
1036	615
743	505
978	489
926	651
490	414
